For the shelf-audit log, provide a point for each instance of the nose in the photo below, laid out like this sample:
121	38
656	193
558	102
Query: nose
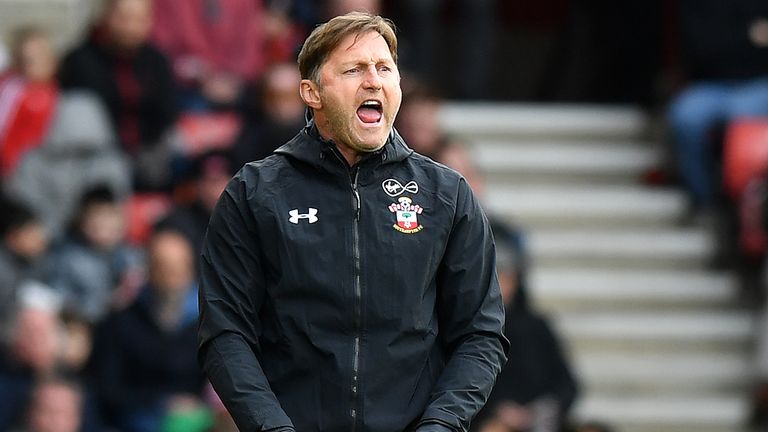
372	80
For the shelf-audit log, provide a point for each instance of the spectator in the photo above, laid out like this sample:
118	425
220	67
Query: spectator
28	95
277	117
24	244
94	269
132	78
725	47
145	355
216	47
340	7
211	173
79	152
536	387
55	406
286	25
32	348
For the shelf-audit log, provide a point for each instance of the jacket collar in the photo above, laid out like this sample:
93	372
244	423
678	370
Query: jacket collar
308	146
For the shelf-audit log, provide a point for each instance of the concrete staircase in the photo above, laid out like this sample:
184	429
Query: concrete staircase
659	342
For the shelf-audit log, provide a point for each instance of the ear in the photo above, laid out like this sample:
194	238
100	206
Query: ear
310	94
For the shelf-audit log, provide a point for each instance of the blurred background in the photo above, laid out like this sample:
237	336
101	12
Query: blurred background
619	148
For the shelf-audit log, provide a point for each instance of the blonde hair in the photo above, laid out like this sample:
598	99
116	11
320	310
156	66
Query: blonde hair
326	37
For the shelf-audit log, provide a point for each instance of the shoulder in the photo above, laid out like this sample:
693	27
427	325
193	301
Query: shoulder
82	55
436	168
437	178
262	180
270	171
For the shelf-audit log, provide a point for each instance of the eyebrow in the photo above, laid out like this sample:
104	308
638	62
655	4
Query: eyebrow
359	62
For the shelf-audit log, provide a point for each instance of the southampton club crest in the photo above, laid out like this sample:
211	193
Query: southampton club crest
407	215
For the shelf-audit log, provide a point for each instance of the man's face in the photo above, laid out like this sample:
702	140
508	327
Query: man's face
103	225
38	61
281	103
56	408
171	264
359	91
129	23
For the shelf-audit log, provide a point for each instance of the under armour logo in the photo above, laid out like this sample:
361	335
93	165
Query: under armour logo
311	216
393	187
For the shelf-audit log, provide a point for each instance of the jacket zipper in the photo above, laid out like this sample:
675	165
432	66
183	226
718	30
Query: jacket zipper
358	290
358	300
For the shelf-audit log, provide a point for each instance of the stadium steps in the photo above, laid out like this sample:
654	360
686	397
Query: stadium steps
613	246
586	205
564	288
660	342
530	161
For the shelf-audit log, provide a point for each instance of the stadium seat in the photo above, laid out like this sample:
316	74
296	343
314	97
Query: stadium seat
201	132
745	154
142	211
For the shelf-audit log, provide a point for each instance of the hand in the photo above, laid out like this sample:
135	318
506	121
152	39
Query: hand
128	288
183	402
76	345
36	340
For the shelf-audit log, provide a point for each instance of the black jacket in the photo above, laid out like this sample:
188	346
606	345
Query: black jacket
320	312
93	66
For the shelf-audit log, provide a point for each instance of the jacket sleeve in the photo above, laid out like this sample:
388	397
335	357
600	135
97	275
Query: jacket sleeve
471	319
231	294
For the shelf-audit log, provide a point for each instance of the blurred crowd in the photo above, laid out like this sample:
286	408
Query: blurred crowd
113	154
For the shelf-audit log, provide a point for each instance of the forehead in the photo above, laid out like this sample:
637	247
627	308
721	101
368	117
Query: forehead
138	7
357	47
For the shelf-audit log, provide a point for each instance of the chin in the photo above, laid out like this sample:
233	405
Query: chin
372	144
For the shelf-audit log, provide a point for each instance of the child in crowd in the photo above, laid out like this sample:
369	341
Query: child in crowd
28	95
94	269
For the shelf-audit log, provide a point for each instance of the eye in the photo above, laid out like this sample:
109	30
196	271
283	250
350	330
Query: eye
385	68
352	71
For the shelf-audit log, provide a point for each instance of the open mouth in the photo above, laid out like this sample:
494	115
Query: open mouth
370	111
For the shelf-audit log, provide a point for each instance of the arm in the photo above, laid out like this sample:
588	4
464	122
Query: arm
471	321
231	294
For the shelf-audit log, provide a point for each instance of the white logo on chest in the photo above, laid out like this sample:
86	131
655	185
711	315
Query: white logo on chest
394	188
311	216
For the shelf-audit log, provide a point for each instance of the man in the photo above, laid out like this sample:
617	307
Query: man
55	406
130	76
144	355
348	283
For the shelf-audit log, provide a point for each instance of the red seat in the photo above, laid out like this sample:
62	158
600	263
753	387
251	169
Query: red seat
142	212
201	132
745	154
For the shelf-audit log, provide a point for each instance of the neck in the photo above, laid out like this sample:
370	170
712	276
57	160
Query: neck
351	156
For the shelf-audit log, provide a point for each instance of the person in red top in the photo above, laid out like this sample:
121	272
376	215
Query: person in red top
28	95
216	46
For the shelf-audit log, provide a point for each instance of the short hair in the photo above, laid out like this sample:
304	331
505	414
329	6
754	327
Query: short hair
22	35
326	37
98	194
14	215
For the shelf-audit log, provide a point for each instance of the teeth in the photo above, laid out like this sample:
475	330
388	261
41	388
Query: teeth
371	104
